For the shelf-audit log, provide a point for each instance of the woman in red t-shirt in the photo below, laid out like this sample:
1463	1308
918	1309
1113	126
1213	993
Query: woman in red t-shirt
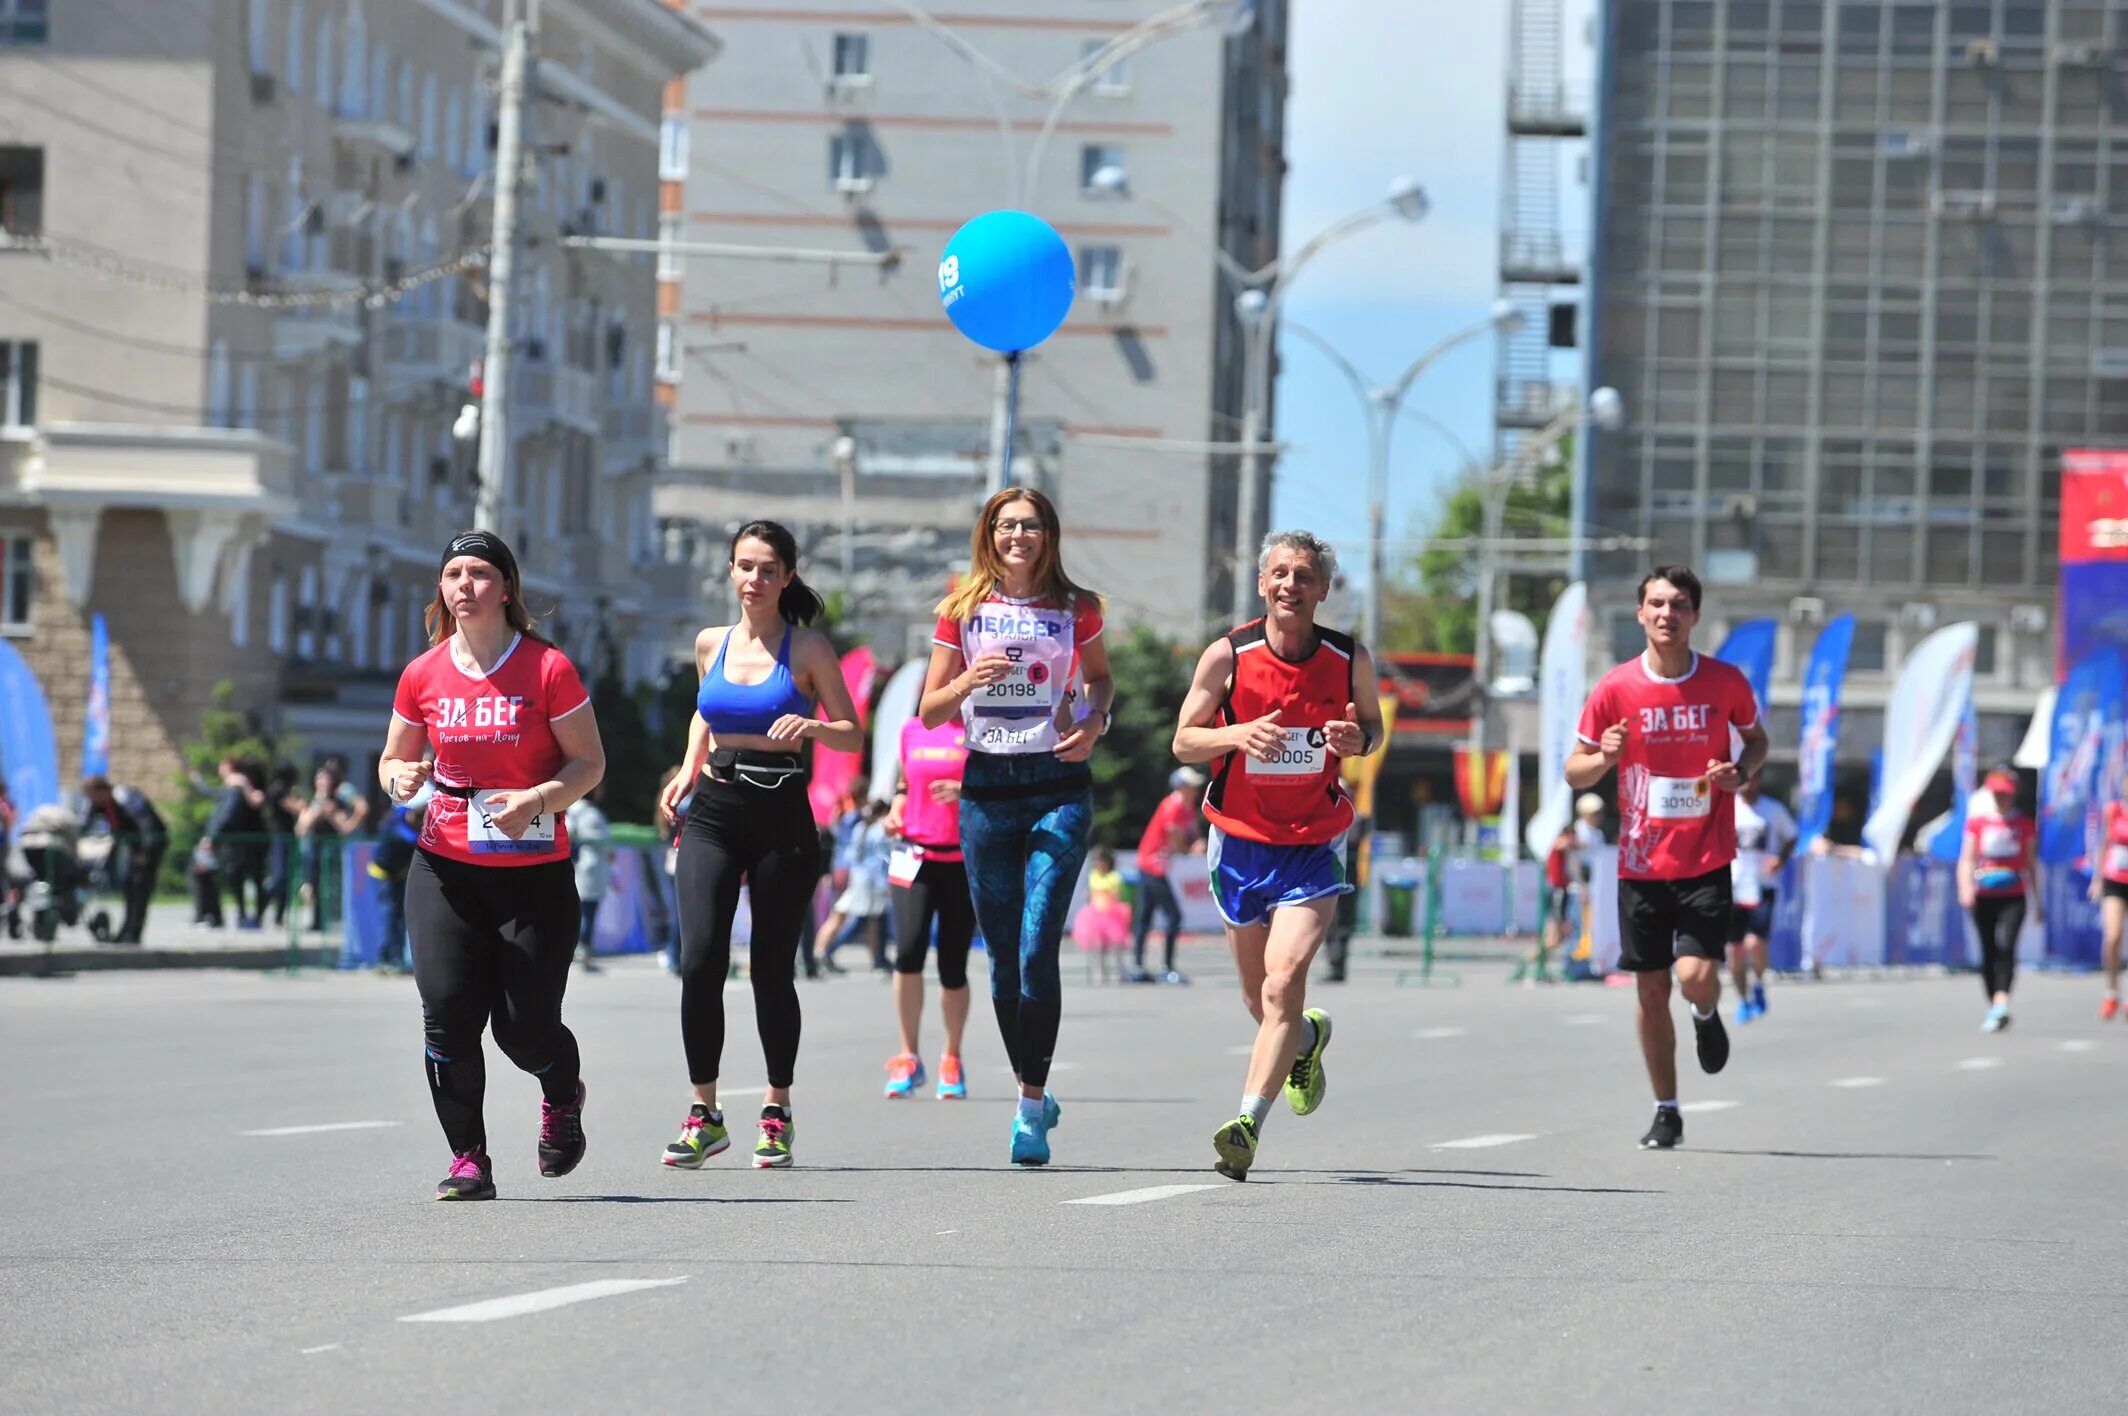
499	719
2109	886
1997	873
927	885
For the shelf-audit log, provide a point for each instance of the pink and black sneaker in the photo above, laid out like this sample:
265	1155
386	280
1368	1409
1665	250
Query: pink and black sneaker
472	1177
561	1135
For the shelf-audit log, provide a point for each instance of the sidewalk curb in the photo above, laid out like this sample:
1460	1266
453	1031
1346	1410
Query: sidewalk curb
102	958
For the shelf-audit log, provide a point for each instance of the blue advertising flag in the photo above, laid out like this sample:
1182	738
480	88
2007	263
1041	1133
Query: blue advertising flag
29	755
1750	648
2084	763
1821	728
96	729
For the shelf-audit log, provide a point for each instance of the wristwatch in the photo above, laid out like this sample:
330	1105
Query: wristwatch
1108	719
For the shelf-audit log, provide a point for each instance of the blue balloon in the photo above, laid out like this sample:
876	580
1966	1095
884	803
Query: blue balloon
1007	281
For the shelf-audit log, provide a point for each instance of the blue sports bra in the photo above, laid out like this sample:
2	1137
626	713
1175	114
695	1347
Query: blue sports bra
749	709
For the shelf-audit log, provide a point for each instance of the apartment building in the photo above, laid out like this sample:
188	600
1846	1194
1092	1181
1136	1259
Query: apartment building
1858	279
838	398
241	306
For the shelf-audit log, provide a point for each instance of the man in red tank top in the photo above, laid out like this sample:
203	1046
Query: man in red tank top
1276	705
1663	719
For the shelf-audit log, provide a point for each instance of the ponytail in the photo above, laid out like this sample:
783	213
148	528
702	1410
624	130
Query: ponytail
800	603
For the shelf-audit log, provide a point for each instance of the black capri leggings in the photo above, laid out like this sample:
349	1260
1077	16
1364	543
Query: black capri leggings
763	835
2000	919
939	892
491	944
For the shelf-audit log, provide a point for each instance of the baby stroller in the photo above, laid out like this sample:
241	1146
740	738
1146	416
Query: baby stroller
46	865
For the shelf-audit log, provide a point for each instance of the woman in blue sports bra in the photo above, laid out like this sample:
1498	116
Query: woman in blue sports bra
750	821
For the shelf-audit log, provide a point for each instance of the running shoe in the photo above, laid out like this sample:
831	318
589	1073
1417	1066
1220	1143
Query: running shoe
2108	1008
472	1177
561	1135
1236	1144
1306	1083
1758	1000
1030	1139
1745	1012
701	1137
1713	1041
773	1150
1175	976
1668	1130
1051	1112
904	1075
952	1086
1998	1018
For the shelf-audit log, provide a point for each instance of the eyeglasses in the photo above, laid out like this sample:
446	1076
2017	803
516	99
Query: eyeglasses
1018	528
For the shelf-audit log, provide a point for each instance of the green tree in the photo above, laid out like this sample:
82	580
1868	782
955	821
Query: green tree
225	731
1132	765
1432	606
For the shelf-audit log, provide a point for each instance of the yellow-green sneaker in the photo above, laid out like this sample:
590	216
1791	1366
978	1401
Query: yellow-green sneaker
773	1150
1236	1144
1305	1083
701	1136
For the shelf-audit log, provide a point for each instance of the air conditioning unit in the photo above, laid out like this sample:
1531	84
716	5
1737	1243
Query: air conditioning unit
1982	53
1963	206
535	349
852	186
1807	609
2073	211
846	84
262	88
2029	619
1918	615
1900	143
2083	56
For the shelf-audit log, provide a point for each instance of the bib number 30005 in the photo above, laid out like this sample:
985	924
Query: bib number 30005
484	837
1304	753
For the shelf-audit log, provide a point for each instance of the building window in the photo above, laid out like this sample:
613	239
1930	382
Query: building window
672	148
307	614
22	190
277	616
1096	159
670	265
324	87
1984	664
853	60
18	383
1868	656
365	615
257	41
428	116
1115	80
23	22
853	159
18	582
668	352
292	61
453	126
220	412
1101	273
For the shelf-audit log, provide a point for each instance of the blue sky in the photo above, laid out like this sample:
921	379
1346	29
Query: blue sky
1433	112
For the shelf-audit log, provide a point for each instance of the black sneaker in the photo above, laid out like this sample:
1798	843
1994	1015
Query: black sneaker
1713	1040
561	1135
1668	1130
472	1177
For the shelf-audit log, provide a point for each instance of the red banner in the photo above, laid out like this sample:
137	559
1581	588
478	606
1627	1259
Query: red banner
2094	551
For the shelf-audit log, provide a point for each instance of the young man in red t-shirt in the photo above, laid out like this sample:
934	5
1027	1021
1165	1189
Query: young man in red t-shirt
1168	833
1663	719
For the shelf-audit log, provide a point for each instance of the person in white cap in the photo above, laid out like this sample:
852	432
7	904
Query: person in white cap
1169	833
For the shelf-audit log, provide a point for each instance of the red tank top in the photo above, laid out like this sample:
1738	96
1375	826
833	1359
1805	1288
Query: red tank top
1298	800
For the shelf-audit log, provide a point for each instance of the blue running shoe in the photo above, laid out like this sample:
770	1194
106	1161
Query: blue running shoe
1030	1141
1745	1012
1051	1112
952	1085
905	1075
1758	1000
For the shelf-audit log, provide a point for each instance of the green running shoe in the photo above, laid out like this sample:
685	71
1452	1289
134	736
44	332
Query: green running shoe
773	1150
700	1138
1236	1144
1305	1084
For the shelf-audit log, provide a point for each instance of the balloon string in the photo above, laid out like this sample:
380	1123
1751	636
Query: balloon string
1012	417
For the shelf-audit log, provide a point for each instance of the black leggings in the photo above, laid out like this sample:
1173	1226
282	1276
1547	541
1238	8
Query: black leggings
1156	896
764	836
491	943
2000	919
940	892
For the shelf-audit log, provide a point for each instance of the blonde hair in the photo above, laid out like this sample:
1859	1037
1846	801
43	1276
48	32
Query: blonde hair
987	569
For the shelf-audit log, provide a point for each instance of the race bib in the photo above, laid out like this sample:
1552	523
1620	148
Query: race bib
1304	753
1679	798
2117	860
903	865
1030	684
2000	843
484	837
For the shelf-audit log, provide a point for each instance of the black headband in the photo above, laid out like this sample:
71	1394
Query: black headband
481	545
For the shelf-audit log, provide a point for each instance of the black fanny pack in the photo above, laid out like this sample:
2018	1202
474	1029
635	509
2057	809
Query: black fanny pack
748	767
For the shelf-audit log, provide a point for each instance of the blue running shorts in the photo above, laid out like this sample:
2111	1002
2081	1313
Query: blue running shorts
1251	879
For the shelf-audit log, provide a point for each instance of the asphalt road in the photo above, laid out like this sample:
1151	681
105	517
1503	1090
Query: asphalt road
1878	1209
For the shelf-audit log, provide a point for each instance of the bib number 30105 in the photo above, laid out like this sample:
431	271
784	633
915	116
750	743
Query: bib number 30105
484	837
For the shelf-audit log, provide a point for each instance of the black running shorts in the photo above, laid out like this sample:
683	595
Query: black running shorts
1747	920
2114	890
1658	920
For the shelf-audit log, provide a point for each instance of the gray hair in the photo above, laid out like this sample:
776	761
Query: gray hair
1314	547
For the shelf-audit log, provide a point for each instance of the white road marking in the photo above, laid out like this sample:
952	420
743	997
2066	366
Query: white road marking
1710	1105
2077	1044
1139	1197
327	1126
1582	1020
949	1231
1471	1143
518	1305
1861	1081
314	1351
1430	1034
1977	1064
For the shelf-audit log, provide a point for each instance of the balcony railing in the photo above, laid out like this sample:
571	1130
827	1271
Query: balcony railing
557	393
630	433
